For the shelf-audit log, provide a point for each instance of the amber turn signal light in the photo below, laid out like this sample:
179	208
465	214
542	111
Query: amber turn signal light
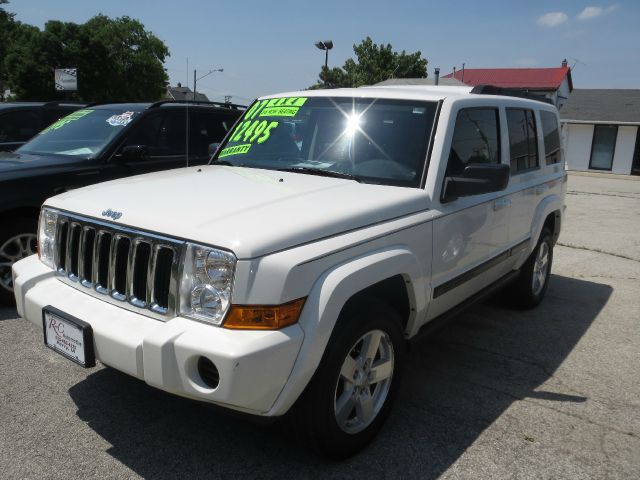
273	317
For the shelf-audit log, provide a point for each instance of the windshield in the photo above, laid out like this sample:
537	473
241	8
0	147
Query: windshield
370	140
83	133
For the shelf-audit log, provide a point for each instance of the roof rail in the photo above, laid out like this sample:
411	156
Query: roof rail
60	103
231	106
508	92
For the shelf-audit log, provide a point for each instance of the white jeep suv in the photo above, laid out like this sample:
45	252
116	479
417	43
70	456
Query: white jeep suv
329	228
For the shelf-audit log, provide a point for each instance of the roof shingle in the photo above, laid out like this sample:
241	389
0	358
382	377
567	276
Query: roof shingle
603	105
522	78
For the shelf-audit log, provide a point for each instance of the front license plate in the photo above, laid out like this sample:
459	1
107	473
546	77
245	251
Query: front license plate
69	336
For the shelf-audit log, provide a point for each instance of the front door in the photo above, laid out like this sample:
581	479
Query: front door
470	236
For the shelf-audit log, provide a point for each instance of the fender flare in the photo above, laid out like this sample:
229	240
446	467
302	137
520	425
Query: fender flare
550	204
328	296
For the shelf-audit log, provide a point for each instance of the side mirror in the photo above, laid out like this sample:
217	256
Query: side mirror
133	152
213	147
477	178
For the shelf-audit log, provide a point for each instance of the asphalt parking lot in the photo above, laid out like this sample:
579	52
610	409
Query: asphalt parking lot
548	393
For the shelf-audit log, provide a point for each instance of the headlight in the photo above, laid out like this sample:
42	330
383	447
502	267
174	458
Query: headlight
205	289
47	236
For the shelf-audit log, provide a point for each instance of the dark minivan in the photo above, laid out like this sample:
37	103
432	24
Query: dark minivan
95	144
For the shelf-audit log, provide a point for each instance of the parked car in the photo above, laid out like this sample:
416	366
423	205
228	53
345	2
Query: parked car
288	275
92	145
20	121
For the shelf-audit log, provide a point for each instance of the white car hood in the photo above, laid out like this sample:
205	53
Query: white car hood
248	211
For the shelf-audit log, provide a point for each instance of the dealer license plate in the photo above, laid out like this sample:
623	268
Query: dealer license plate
69	336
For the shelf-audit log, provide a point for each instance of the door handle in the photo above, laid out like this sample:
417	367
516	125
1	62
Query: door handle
88	172
501	203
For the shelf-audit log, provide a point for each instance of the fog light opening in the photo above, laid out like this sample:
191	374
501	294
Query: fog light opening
208	372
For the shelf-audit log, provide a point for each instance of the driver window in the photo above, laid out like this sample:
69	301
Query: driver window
476	139
162	135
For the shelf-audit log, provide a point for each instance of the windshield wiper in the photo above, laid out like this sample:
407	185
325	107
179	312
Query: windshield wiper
223	162
320	172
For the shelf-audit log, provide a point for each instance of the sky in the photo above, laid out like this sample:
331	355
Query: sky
268	46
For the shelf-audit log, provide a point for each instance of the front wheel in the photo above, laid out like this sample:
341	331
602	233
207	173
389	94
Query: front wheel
17	241
351	394
530	287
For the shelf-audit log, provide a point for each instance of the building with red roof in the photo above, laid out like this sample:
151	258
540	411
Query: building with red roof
552	83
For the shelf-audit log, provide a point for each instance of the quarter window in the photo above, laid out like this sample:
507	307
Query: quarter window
523	143
603	146
551	137
476	139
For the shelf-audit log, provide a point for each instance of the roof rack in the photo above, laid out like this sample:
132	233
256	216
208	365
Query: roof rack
508	92
231	106
62	103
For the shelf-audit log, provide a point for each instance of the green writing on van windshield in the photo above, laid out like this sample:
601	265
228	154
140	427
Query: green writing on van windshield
256	131
235	150
279	112
68	119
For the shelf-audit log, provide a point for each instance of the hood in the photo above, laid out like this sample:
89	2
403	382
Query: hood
251	212
15	162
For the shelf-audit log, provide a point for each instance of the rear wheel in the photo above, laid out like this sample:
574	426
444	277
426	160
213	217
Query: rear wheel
17	241
530	287
351	394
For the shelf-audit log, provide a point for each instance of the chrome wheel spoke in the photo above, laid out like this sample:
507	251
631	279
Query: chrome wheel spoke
348	369
380	371
370	345
344	407
364	406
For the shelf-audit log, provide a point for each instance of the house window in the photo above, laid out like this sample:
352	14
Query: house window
523	143
603	147
551	137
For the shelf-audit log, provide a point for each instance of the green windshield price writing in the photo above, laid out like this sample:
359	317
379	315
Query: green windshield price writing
251	131
258	130
68	119
235	150
279	112
285	102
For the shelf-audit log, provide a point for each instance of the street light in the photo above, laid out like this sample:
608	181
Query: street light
200	78
326	46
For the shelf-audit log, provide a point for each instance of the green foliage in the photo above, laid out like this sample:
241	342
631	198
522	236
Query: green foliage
117	60
374	64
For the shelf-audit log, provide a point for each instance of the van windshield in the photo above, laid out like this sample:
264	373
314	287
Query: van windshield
84	133
371	140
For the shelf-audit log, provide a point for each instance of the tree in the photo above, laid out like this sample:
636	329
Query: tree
6	29
374	64
117	59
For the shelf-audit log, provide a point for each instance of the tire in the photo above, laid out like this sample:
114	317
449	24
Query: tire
17	241
338	415
531	285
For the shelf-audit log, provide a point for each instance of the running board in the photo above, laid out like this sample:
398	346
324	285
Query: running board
437	323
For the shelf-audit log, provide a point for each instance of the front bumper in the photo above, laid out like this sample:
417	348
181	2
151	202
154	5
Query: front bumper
253	365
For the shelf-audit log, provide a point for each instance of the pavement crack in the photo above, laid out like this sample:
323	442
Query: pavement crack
597	250
632	194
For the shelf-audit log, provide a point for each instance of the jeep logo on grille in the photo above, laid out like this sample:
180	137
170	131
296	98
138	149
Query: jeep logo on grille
112	214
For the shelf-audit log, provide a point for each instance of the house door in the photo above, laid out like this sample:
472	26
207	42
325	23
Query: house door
635	166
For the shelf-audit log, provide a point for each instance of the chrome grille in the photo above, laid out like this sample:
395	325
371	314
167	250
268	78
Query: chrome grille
134	269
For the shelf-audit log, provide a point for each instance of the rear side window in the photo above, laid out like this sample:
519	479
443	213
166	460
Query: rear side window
20	125
523	144
207	128
551	137
476	139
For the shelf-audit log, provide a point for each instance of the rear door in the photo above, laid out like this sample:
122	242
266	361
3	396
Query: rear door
160	138
207	126
525	172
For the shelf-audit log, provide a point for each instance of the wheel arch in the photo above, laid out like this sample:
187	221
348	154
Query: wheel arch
342	288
